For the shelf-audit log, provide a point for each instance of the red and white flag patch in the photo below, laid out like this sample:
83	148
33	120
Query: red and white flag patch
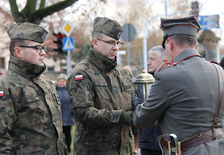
1	93
79	77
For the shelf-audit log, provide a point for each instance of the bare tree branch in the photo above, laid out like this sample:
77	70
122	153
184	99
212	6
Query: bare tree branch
43	12
14	9
42	4
30	14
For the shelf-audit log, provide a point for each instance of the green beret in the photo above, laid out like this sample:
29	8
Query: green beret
26	31
108	27
179	26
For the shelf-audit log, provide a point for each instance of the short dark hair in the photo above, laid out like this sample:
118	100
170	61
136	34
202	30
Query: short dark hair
184	40
14	43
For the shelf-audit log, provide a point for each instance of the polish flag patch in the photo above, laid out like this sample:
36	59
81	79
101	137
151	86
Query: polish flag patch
1	93
79	77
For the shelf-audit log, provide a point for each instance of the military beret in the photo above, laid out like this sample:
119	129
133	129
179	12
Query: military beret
179	26
108	27
26	31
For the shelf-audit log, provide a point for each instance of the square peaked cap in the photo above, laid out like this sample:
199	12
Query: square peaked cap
108	27
182	26
26	31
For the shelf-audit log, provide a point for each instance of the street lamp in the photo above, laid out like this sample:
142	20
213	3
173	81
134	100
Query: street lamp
143	84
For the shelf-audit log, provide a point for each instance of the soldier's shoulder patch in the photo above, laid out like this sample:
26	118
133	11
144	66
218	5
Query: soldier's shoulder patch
79	77
1	93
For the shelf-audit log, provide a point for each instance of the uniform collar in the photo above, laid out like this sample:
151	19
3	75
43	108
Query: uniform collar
100	61
24	68
185	54
181	57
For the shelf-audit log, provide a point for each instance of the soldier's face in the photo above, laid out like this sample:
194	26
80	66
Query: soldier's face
153	62
107	47
31	54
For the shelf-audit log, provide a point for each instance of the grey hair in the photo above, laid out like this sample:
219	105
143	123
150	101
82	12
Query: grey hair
159	51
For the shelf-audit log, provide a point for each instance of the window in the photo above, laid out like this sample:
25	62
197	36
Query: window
2	63
50	69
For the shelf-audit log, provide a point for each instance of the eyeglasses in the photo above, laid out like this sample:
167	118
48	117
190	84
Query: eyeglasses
39	48
112	42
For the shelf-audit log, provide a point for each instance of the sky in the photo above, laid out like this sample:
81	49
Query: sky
209	7
214	7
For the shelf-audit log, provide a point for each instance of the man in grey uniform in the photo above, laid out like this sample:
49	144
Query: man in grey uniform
185	95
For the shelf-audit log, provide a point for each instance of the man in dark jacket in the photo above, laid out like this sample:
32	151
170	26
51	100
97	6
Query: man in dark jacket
100	94
185	95
148	137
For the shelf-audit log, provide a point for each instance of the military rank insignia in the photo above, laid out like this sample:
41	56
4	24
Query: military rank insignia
78	77
1	93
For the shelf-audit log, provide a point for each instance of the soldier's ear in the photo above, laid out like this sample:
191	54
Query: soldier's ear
170	43
196	46
165	60
94	42
17	52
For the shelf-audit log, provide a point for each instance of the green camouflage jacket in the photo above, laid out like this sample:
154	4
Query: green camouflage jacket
100	94
30	114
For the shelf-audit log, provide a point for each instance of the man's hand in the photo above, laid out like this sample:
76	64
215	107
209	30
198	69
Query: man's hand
139	93
135	101
126	117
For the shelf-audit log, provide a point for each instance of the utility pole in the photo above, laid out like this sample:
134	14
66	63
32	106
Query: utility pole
195	8
145	32
165	3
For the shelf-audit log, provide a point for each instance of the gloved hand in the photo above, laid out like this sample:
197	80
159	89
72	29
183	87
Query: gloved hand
139	93
135	101
126	117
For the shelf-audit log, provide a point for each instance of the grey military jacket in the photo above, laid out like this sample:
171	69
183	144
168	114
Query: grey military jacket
100	93
183	100
30	114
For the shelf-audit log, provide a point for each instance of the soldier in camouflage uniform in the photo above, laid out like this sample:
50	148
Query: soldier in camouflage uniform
100	94
30	115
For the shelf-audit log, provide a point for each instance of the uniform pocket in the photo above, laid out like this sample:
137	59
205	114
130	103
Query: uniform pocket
32	99
98	83
128	86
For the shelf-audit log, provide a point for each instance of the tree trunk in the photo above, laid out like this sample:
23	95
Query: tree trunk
211	52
